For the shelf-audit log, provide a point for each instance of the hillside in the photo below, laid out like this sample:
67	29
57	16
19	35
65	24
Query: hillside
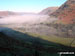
48	10
66	13
22	44
6	13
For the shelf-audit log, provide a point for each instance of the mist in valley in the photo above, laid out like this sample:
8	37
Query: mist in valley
30	19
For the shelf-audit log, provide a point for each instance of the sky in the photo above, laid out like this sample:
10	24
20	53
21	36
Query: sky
28	5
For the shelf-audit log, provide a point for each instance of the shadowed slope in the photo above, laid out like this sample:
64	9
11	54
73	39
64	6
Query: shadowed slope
16	43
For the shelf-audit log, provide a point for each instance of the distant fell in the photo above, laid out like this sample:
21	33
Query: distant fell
6	13
48	10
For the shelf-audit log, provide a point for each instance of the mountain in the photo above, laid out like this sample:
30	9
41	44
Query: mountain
66	13
6	13
48	10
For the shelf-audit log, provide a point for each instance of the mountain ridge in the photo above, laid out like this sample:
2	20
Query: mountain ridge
66	13
48	10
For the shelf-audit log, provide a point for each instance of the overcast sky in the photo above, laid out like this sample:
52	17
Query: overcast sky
28	5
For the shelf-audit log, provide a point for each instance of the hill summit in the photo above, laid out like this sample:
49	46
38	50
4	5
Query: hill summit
66	13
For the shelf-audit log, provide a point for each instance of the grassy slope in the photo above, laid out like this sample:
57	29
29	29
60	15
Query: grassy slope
55	39
14	46
59	40
30	47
